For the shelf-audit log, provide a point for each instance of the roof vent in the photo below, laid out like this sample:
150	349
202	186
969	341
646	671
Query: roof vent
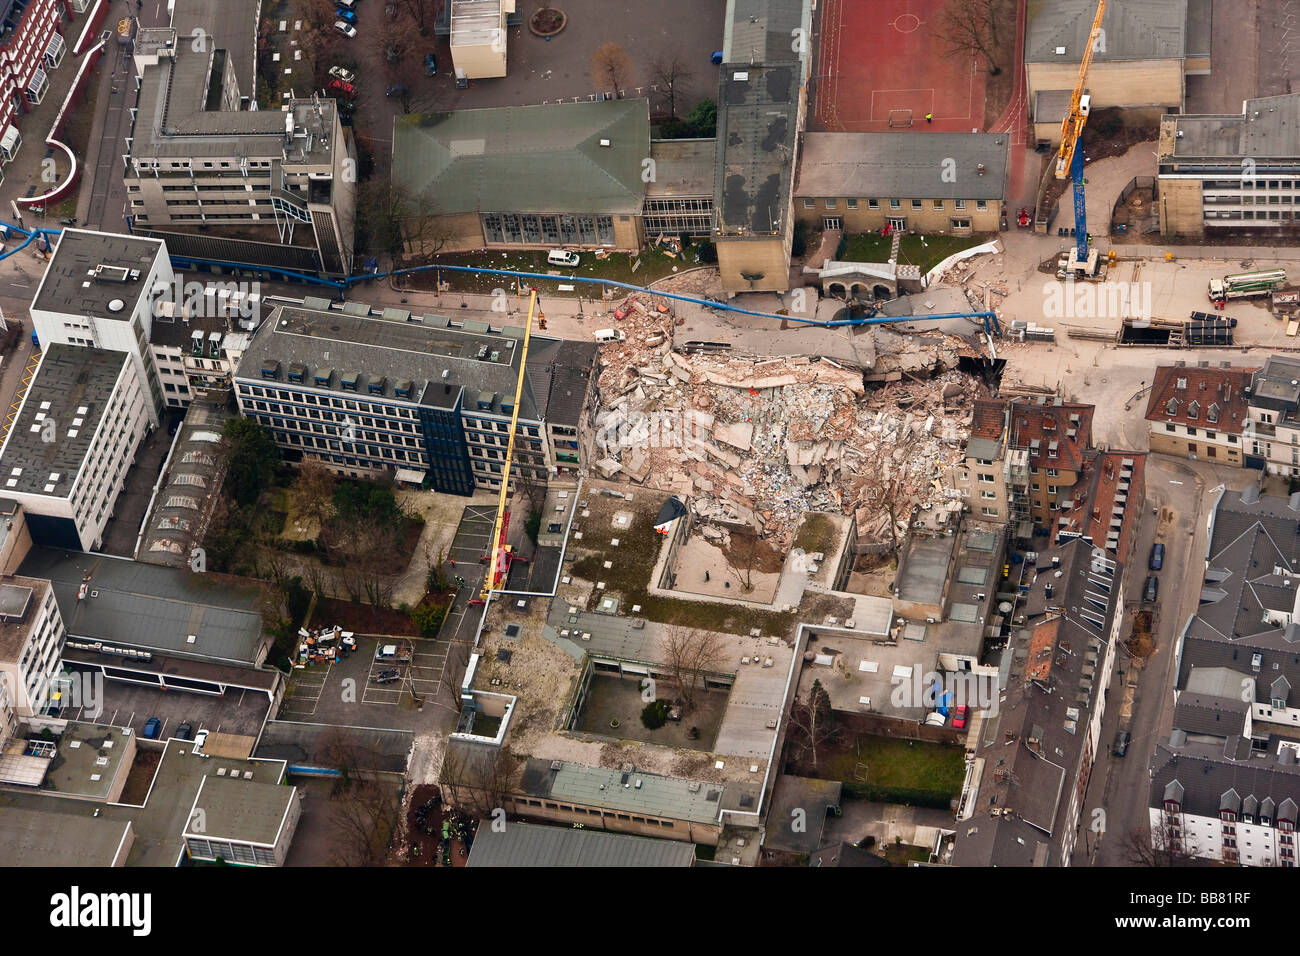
605	143
116	305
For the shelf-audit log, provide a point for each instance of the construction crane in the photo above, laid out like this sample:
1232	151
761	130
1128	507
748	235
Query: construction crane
499	558
1069	158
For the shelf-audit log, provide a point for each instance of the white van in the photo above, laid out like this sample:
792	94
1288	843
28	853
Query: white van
935	719
609	335
558	257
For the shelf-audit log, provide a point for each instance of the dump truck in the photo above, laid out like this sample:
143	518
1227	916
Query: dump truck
1243	285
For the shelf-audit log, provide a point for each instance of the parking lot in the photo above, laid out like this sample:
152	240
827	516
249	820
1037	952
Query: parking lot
131	705
349	692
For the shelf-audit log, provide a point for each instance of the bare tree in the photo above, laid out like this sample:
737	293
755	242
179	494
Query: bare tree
364	822
611	66
690	655
312	494
476	777
669	72
1167	845
398	222
812	723
740	555
421	13
970	27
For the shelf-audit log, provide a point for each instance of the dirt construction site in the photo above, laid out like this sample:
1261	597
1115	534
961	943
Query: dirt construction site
759	442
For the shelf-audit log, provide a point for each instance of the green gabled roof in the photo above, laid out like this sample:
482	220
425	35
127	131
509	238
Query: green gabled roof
526	158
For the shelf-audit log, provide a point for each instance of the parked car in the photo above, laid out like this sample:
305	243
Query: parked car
347	16
347	4
200	739
1152	589
1121	743
347	29
430	64
1157	556
185	731
347	76
152	728
341	88
561	257
959	718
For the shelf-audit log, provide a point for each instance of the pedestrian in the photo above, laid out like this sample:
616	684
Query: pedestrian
706	577
929	117
453	562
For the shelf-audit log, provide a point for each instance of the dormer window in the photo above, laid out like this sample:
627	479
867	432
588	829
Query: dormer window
1212	413
1194	410
1171	406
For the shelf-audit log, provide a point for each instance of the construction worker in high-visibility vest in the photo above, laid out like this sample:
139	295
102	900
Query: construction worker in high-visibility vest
929	117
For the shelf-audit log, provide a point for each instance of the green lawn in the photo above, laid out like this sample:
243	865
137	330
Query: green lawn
898	764
924	251
654	264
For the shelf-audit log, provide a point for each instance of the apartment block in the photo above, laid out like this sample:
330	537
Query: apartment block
1200	412
1272	433
221	180
1225	783
862	182
1023	458
72	442
31	46
410	397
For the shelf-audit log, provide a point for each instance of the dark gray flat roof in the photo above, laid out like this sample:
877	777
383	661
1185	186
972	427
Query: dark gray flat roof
245	810
145	606
902	165
1267	128
375	348
72	388
1134	30
683	168
68	286
527	844
758	110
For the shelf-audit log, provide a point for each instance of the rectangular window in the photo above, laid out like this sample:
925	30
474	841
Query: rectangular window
895	204
851	203
938	203
981	204
873	203
917	204
830	203
810	204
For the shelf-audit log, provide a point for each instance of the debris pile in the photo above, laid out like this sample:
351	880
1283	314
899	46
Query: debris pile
759	443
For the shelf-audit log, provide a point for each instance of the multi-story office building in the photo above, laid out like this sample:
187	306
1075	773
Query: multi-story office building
30	46
220	180
1225	174
103	290
194	356
31	645
73	441
1200	412
413	398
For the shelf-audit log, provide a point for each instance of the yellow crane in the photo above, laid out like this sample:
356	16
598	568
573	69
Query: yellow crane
500	553
1069	158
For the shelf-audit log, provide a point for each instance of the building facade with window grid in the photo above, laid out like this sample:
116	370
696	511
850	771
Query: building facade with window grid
1235	172
422	401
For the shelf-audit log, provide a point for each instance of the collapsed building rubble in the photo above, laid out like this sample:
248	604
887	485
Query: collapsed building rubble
760	442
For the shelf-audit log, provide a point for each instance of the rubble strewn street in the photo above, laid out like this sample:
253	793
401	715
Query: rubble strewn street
760	442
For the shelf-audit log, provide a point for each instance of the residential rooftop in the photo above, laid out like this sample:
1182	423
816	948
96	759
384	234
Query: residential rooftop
100	274
1201	397
58	419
